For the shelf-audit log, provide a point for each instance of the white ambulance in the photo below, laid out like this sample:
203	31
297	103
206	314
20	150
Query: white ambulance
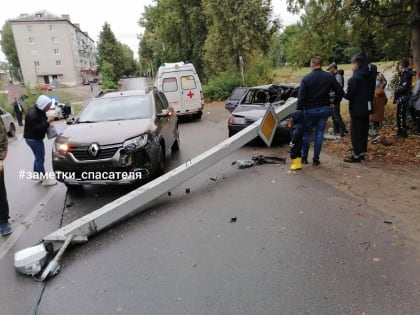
181	85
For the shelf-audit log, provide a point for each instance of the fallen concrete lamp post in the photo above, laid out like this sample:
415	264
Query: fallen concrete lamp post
30	261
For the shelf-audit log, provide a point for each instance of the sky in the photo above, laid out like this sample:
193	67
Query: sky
91	15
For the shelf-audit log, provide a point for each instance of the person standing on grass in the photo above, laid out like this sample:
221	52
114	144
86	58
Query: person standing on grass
360	93
402	97
379	101
338	123
415	101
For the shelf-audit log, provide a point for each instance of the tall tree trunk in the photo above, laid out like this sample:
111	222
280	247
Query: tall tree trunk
415	34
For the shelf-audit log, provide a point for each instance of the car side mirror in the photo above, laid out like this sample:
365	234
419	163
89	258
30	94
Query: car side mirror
165	113
70	121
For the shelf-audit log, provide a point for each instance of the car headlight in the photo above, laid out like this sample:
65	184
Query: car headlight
61	147
134	144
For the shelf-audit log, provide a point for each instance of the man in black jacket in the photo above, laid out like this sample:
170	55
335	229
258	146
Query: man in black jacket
36	125
360	92
314	100
17	106
402	97
338	123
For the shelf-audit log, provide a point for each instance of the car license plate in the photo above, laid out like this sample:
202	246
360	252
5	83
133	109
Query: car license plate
240	121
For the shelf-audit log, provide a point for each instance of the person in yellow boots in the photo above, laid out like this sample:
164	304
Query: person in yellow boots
296	140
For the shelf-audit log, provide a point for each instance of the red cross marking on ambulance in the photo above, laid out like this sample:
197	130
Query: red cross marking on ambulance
190	94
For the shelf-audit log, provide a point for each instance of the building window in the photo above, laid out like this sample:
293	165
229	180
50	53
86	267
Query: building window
31	40
29	28
36	63
58	62
56	51
52	28
54	40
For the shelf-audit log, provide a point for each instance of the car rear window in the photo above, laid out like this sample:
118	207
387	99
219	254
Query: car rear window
169	85
237	93
117	108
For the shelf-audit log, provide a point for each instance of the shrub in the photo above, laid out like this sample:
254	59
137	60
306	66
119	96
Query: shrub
220	87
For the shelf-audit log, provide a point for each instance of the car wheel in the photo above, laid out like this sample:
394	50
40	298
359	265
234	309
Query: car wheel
71	187
175	145
160	168
12	130
231	133
198	115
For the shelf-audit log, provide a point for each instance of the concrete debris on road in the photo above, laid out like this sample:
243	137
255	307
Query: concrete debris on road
258	160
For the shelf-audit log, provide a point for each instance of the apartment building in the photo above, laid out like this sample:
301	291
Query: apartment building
53	50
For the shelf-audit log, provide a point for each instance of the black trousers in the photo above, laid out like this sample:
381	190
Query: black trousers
19	116
359	131
338	123
296	141
402	117
4	205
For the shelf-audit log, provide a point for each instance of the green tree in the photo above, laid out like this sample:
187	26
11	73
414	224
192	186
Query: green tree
236	28
130	65
8	47
110	51
292	45
380	27
174	31
109	78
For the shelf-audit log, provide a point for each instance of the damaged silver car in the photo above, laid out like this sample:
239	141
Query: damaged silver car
120	137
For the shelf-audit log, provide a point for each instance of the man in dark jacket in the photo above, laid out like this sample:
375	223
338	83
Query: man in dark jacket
360	93
314	100
36	125
17	106
338	123
402	97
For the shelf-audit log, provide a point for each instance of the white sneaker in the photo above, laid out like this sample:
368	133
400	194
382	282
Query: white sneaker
49	182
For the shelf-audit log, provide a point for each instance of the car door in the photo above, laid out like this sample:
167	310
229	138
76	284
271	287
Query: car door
190	91
7	119
172	91
166	123
235	98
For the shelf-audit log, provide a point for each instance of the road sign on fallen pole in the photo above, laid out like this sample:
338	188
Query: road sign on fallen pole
135	200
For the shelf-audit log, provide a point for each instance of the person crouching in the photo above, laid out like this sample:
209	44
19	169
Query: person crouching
296	140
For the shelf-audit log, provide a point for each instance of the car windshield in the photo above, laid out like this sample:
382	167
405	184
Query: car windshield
117	108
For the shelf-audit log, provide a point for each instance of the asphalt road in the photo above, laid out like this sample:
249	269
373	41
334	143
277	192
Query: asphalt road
251	241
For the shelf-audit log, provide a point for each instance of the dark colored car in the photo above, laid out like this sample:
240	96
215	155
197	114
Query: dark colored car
8	122
120	137
248	104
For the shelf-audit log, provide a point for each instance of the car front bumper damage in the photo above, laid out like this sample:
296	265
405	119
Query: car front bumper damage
122	168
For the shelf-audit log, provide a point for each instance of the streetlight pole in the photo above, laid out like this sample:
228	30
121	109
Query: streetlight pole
241	61
36	73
